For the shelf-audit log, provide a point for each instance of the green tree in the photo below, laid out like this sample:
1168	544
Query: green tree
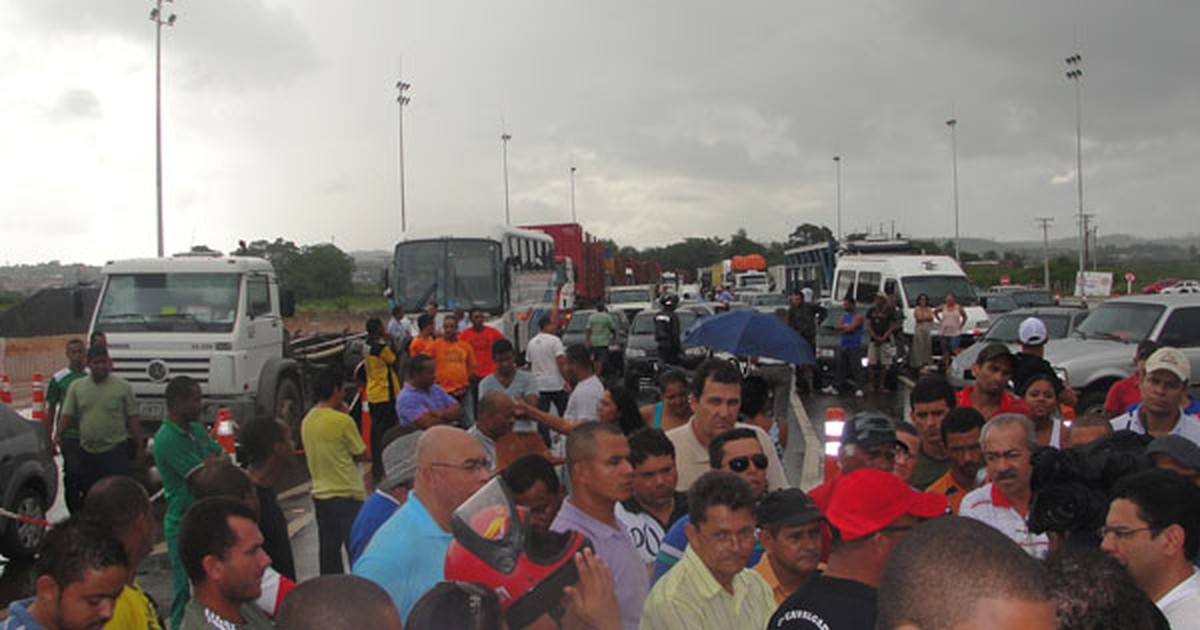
312	271
808	234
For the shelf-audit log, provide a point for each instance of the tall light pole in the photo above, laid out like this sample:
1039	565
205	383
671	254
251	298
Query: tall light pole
402	100
160	20
837	161
1045	222
953	125
573	219
504	138
1075	74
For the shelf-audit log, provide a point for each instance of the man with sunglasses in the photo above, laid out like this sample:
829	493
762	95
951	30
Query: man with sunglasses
870	511
737	451
1008	442
407	554
1153	528
716	400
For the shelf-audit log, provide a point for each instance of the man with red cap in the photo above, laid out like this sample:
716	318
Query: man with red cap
870	511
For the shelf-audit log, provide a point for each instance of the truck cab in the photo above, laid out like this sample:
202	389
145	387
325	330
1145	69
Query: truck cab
216	319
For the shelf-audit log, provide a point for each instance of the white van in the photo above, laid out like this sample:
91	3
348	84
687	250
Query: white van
907	277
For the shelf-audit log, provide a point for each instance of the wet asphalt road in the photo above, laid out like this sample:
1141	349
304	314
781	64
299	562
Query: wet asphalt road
16	578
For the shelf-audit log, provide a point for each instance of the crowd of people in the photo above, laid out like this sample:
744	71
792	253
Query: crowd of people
486	496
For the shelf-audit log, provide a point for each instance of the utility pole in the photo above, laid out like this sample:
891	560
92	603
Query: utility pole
573	219
160	20
504	138
837	160
953	125
1075	74
402	100
1045	222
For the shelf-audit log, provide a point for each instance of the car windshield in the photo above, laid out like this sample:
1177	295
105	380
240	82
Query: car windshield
1005	328
643	323
1033	298
770	299
999	303
205	302
579	321
833	315
628	296
936	287
1129	322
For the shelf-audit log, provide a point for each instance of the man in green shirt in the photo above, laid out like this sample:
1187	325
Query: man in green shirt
181	447
600	330
102	409
221	547
56	394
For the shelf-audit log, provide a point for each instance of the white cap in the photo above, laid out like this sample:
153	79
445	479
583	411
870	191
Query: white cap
1033	332
1171	360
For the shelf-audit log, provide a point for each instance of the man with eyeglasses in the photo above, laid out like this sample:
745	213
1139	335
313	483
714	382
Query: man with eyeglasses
1008	442
1153	528
870	512
737	451
601	476
407	553
711	583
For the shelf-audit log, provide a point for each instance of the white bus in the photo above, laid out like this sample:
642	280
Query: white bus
508	272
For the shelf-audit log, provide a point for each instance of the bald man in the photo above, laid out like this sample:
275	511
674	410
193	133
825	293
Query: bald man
494	419
955	572
407	553
338	601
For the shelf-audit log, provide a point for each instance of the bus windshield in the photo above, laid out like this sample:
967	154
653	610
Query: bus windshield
167	302
936	287
456	273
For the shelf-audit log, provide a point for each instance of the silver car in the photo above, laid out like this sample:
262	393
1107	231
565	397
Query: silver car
1100	351
1060	322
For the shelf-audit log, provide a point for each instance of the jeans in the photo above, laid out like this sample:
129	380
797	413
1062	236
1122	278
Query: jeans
383	418
335	516
558	400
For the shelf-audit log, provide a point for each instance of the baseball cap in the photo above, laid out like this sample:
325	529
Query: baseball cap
867	500
400	460
789	506
867	429
994	351
1180	449
1032	332
1171	360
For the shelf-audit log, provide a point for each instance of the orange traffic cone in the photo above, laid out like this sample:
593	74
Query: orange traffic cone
5	390
835	419
39	399
224	430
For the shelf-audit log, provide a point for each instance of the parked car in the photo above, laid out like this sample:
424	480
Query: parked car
641	350
1159	285
766	302
575	332
631	299
1183	286
1100	351
1060	322
997	303
28	479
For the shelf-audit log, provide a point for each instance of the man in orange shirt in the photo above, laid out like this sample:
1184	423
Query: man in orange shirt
960	432
454	360
481	337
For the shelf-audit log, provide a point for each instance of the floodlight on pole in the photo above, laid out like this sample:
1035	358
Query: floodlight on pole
402	100
837	160
573	219
160	20
504	138
1075	74
953	125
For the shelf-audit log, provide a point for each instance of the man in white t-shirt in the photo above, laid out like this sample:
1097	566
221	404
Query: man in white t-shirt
545	354
586	392
1153	528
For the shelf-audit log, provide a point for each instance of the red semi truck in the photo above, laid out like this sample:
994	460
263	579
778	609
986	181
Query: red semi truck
586	255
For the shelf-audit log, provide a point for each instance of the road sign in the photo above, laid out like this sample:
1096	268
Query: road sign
1005	280
1129	277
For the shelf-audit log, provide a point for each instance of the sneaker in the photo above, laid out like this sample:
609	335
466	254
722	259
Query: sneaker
858	393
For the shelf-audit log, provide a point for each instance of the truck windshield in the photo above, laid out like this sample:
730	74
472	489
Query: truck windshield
1121	321
936	287
753	281
457	273
205	302
628	296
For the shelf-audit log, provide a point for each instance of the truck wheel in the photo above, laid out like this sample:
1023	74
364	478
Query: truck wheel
289	405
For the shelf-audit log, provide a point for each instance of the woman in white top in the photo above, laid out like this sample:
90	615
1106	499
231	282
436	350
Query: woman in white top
950	319
1041	392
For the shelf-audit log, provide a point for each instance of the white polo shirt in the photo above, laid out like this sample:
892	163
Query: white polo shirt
1188	425
1181	605
989	505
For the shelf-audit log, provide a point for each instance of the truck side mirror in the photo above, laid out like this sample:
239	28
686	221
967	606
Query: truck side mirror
287	303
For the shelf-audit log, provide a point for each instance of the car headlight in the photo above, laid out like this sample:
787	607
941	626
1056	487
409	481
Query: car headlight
826	353
697	351
635	352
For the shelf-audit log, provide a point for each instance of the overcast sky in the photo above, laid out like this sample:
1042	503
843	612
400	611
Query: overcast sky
683	118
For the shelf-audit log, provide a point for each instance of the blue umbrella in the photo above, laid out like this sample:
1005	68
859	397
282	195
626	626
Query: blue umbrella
749	333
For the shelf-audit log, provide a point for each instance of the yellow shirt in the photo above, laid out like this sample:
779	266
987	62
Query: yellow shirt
767	572
133	610
379	362
331	441
688	594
